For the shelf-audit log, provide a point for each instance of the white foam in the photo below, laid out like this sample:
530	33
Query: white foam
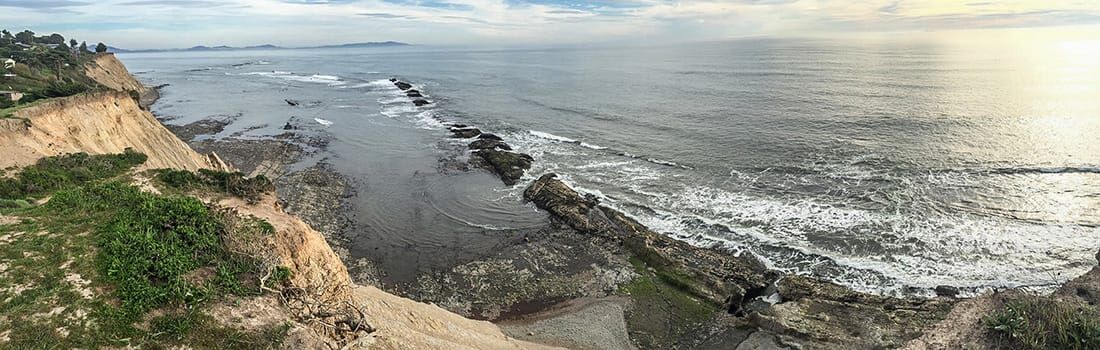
428	120
382	82
393	100
552	137
322	121
394	111
330	80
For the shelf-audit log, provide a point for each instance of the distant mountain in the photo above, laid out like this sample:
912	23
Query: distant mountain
358	45
264	47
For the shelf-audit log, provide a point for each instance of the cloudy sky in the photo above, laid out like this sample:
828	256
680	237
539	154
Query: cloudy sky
183	23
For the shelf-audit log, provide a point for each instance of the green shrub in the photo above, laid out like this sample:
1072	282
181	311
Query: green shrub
14	203
235	183
1045	323
53	173
151	247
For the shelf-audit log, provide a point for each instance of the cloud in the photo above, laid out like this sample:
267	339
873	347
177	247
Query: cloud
50	6
177	3
41	4
381	15
157	23
318	2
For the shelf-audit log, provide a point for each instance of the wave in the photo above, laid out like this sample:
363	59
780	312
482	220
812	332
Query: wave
428	120
397	110
1049	170
552	137
322	121
330	80
657	161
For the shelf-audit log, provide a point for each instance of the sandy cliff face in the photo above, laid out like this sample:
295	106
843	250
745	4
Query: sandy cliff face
325	285
95	123
109	72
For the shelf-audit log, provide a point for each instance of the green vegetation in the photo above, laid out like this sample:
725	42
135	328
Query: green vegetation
53	173
663	310
46	67
1045	323
663	268
103	264
236	184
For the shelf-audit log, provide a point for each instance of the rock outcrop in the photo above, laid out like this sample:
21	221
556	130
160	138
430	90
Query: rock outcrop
510	166
798	311
465	132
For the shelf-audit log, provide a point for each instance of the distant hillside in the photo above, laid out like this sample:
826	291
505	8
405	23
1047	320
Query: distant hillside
265	47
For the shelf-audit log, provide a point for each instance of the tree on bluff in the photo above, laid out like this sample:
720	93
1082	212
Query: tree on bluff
26	37
101	48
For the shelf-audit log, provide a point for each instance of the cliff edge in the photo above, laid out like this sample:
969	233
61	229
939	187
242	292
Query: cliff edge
318	302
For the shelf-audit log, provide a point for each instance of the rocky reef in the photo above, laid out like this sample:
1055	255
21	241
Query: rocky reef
794	310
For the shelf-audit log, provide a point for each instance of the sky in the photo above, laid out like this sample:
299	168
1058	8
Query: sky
142	24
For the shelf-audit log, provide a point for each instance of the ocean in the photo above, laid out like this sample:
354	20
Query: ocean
890	164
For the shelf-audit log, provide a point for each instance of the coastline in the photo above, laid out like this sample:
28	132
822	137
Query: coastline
307	299
580	269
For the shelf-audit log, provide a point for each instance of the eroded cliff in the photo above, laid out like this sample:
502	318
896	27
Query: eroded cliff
95	123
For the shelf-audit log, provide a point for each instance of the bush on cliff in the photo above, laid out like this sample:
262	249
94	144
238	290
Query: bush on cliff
53	173
236	184
149	244
1046	323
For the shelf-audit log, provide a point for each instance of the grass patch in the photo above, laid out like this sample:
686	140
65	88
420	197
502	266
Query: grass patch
195	329
235	183
53	173
89	268
1045	323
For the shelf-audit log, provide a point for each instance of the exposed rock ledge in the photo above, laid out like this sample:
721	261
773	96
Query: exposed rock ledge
808	313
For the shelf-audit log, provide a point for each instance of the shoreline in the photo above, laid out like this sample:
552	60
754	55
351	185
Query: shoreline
540	288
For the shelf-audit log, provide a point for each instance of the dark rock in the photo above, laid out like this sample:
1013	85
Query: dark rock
202	127
393	80
465	133
488	136
489	144
717	275
510	166
947	291
421	102
413	93
403	85
292	102
287	126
